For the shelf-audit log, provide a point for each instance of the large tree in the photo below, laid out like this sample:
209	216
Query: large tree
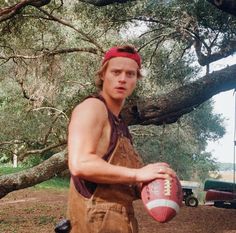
44	53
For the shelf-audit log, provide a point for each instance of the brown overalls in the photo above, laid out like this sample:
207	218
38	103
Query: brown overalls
109	209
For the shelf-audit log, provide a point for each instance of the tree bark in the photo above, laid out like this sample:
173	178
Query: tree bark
27	178
228	6
170	107
9	12
104	2
165	109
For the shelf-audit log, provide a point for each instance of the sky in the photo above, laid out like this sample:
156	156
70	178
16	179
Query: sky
224	103
223	149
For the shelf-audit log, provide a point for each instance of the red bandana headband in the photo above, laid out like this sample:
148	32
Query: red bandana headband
117	52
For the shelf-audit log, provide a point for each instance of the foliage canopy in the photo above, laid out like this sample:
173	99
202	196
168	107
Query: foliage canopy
49	56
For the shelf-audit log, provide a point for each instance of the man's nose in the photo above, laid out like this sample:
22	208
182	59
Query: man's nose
122	77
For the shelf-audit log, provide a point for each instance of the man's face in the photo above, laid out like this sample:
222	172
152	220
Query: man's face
120	77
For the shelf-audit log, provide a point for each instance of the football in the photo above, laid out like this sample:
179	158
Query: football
162	198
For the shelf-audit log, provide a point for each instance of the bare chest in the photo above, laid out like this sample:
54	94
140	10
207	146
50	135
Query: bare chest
104	141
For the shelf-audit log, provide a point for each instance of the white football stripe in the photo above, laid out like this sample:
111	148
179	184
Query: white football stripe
163	202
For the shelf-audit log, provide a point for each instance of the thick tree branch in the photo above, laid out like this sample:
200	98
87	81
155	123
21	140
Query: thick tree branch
9	12
44	171
104	2
228	6
170	107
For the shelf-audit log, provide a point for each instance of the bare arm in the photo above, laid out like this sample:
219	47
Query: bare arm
85	129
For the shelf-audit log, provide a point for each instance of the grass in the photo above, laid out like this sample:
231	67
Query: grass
7	169
44	220
54	183
57	183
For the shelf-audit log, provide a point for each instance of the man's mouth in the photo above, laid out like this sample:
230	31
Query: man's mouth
120	88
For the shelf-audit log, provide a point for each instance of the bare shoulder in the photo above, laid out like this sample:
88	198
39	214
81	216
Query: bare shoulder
90	109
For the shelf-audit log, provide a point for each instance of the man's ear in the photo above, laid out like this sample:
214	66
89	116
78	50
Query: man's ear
102	76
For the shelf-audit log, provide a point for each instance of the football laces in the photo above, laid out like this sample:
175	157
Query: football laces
167	187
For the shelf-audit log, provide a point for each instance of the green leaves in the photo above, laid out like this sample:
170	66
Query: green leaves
39	86
182	144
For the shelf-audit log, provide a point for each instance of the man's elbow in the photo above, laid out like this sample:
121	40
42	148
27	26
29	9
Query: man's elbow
76	170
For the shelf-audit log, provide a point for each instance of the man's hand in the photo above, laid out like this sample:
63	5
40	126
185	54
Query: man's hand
154	171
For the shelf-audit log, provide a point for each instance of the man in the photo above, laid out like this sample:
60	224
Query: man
106	171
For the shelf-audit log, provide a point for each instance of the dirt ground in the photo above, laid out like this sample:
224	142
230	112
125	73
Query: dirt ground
37	211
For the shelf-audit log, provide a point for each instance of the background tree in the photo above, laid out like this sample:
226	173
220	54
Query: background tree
51	50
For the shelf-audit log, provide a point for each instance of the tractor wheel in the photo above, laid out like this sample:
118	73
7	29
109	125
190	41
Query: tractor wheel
191	201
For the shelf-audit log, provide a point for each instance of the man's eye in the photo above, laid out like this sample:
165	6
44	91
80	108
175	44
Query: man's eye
130	74
116	72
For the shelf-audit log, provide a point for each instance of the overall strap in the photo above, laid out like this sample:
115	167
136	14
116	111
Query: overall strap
118	129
